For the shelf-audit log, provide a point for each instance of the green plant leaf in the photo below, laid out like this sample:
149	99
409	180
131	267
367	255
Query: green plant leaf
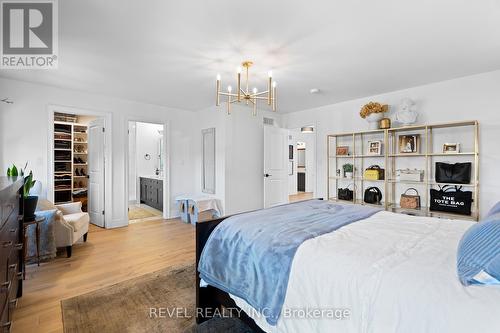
14	172
8	172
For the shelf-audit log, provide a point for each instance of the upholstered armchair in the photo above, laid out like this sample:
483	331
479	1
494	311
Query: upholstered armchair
71	224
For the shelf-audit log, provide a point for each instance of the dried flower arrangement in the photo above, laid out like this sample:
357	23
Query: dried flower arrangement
373	107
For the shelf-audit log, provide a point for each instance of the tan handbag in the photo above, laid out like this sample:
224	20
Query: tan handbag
410	201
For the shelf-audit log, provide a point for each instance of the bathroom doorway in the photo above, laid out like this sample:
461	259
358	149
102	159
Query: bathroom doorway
302	164
146	171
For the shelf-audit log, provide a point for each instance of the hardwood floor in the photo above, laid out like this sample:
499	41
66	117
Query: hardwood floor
300	196
108	257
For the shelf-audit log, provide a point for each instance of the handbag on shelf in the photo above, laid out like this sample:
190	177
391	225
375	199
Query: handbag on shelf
458	173
345	193
410	201
451	199
373	195
414	175
374	172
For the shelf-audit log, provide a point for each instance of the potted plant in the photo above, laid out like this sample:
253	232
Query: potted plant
30	201
373	113
348	169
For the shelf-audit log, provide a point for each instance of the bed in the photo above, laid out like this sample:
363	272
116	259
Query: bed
385	273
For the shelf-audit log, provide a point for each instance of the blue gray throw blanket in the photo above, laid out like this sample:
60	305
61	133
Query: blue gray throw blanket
250	255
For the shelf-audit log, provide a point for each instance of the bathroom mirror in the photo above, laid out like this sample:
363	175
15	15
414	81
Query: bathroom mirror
208	162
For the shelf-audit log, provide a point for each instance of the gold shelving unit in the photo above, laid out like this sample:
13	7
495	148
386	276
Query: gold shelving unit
389	160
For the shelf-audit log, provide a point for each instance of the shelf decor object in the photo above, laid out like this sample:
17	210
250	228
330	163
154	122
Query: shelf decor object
373	113
244	93
398	178
407	112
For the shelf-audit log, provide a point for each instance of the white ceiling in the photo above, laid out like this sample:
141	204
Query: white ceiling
168	52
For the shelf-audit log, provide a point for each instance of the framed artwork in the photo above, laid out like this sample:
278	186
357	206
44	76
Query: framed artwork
409	144
342	150
374	147
451	148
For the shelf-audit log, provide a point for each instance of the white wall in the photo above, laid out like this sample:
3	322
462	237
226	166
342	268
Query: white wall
24	126
147	141
471	98
239	155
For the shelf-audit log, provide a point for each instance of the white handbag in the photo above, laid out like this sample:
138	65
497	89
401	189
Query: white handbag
414	175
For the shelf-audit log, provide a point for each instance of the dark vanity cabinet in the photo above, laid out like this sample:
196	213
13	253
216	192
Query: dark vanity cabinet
301	181
152	192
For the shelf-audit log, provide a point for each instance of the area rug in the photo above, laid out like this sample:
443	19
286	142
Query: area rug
162	301
139	213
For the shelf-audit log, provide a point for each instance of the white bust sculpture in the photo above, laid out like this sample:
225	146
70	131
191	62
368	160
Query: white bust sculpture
407	112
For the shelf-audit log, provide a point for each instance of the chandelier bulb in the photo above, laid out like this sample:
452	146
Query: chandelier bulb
218	77
238	70
274	84
254	90
270	73
229	89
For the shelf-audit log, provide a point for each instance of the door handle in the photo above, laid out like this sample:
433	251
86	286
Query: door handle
267	175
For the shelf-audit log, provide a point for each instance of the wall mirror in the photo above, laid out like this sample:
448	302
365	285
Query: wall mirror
208	166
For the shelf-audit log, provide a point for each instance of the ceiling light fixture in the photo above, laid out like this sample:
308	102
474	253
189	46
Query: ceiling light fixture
244	94
314	91
307	129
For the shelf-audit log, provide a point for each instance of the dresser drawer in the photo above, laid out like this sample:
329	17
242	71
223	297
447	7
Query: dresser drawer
4	319
8	206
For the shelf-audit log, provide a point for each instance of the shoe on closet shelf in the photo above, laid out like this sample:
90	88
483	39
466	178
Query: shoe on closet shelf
77	173
82	172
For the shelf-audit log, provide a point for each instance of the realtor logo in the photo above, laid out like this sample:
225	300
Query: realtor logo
29	34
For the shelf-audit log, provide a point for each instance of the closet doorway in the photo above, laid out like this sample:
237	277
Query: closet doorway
302	163
77	170
146	171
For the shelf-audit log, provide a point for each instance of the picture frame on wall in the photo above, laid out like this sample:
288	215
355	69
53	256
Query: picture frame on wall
342	150
374	148
409	144
451	148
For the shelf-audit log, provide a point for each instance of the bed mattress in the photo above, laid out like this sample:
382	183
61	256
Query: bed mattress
387	273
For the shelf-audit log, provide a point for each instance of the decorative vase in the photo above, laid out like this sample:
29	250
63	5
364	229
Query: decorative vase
374	119
348	175
30	207
385	123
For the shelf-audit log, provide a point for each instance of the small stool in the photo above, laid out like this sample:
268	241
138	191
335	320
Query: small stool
37	223
182	203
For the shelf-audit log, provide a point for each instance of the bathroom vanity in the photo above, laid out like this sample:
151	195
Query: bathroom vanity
151	191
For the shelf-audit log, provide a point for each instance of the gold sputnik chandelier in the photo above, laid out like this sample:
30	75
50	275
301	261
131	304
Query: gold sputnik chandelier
244	94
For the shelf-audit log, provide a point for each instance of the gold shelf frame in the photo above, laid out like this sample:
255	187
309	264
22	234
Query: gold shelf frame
390	156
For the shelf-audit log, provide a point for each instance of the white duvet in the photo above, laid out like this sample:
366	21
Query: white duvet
391	273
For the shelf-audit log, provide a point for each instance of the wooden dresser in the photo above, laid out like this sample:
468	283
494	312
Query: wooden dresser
10	248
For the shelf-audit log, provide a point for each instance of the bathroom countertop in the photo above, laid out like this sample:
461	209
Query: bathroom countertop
152	177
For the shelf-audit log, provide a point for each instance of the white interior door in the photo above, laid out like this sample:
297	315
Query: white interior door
96	171
275	166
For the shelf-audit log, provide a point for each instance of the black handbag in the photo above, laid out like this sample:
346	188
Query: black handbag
373	195
458	173
345	193
451	199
